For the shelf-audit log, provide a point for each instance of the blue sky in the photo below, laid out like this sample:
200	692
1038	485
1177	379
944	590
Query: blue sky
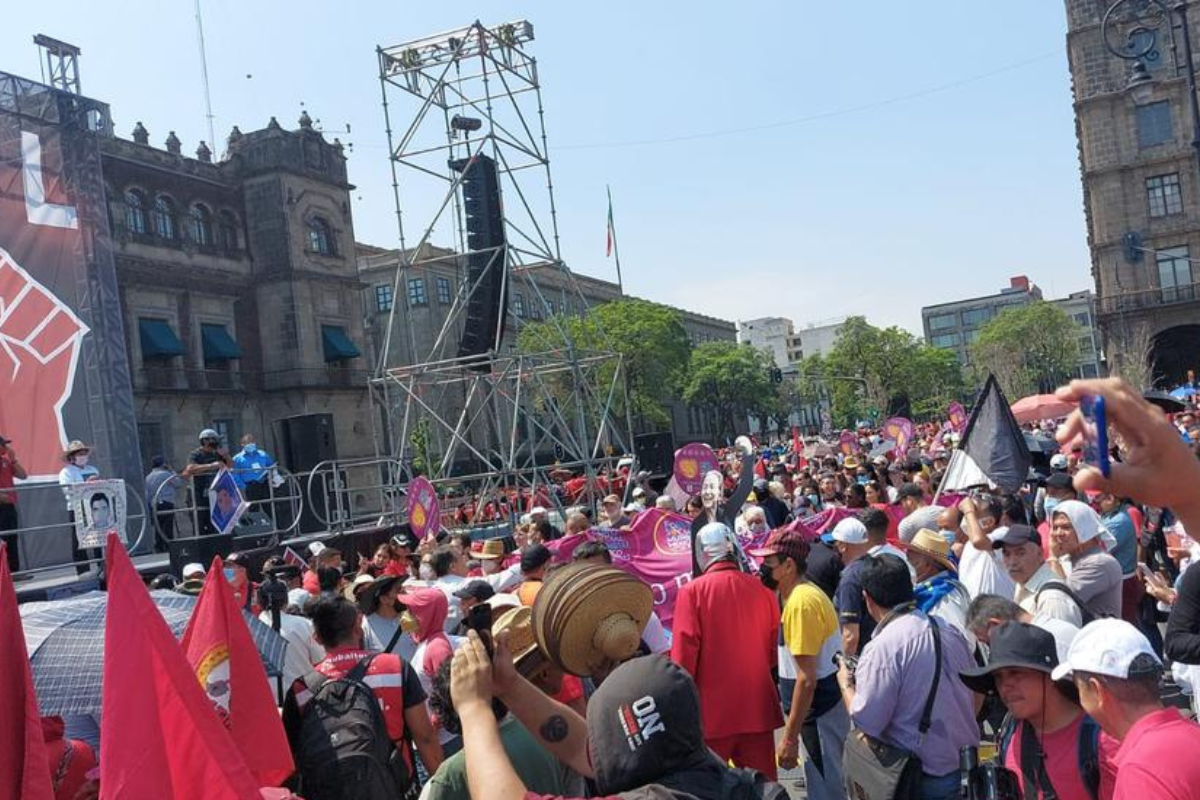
937	160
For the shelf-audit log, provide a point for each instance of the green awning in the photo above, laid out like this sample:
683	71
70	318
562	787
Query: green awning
158	340
338	346
218	344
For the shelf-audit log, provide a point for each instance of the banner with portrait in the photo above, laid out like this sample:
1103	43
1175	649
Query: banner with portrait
226	505
99	510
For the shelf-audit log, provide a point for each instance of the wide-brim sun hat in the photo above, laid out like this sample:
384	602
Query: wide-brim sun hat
933	544
588	616
74	447
518	623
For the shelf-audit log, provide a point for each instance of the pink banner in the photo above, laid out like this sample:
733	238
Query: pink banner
900	431
692	462
958	417
422	508
848	443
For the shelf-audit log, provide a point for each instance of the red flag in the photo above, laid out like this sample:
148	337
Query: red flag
290	556
158	734
219	647
24	770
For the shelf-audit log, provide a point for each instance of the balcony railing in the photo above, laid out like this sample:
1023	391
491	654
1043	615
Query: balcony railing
1148	298
168	378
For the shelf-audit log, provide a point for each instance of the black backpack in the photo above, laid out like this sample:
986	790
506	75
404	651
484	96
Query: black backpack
1058	586
343	750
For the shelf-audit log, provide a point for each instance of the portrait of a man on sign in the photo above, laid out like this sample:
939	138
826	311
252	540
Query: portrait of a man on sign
225	502
101	511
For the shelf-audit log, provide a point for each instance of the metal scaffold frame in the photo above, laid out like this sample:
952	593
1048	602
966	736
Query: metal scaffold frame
475	92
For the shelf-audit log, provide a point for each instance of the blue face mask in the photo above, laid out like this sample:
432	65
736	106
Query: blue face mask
813	499
1051	503
252	448
863	480
229	573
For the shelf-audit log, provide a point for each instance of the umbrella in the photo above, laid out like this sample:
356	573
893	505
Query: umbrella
1169	403
1041	406
1183	392
65	640
1040	444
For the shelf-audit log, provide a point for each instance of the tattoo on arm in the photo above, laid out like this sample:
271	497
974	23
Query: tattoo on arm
554	729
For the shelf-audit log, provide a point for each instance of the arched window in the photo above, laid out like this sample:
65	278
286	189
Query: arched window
320	237
135	211
163	218
201	224
229	231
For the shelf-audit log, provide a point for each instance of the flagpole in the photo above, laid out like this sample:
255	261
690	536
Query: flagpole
612	228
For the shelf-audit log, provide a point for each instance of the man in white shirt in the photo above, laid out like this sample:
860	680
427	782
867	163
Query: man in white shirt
303	652
980	567
1025	562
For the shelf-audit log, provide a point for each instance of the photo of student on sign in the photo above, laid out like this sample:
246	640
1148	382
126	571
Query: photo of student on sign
226	505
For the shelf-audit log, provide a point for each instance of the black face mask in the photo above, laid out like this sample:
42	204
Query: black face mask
768	580
398	606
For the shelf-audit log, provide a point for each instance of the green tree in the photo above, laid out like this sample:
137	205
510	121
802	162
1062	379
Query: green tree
649	337
731	380
1030	349
871	370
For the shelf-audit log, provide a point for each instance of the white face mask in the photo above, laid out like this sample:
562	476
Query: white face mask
426	572
81	460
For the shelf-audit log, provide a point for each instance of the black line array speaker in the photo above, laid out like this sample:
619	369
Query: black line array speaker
486	257
305	440
655	452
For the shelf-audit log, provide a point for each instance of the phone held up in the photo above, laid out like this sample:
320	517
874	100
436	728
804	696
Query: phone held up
1095	433
479	619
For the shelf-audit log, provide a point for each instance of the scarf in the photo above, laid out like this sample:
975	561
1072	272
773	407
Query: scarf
932	591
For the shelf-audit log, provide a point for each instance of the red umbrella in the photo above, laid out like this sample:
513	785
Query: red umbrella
1041	406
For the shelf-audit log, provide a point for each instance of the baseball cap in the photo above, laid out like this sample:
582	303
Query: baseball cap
909	490
1013	644
209	433
475	590
783	542
639	492
1108	647
238	558
1059	480
850	531
534	557
1058	461
1017	535
537	510
611	499
192	570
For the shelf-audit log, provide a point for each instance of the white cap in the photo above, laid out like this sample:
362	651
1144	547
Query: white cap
298	597
850	531
193	569
537	510
1058	461
315	548
639	492
1105	647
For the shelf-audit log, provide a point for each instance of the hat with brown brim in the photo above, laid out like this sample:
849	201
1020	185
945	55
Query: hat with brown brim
488	549
934	545
588	617
74	447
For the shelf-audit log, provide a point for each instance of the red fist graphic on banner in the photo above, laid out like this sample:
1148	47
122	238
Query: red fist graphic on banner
40	340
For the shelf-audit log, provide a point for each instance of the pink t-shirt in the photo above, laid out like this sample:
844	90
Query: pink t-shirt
1157	759
1062	762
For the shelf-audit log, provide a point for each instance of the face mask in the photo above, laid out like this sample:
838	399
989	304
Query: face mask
813	499
230	573
81	461
863	480
1051	504
768	580
408	623
252	448
758	527
398	606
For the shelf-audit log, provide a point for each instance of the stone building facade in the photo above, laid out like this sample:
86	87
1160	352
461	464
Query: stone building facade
239	287
1140	190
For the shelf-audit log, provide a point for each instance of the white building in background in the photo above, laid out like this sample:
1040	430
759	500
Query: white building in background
815	338
767	333
1081	307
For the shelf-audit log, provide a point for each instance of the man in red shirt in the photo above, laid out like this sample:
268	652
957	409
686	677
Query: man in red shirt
10	468
725	634
337	626
1117	674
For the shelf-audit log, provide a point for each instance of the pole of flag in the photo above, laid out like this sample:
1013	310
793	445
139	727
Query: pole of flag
611	247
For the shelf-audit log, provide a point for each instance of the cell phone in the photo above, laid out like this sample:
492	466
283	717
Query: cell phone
479	619
1095	433
1144	568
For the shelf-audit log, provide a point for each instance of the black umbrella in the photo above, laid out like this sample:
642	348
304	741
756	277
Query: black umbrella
1169	404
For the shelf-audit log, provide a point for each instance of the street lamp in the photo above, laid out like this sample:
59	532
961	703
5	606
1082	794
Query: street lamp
1138	22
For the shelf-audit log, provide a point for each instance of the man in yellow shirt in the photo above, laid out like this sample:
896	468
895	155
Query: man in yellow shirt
811	636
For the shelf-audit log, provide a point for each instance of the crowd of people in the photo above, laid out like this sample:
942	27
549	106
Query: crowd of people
838	607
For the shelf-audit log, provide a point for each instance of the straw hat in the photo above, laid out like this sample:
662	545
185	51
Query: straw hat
518	622
934	545
587	616
488	549
74	447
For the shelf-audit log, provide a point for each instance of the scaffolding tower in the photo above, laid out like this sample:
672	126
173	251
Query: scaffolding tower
507	417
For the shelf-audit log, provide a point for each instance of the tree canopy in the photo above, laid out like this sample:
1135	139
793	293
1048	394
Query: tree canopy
732	381
1030	349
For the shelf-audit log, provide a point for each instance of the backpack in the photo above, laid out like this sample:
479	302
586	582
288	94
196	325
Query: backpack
737	783
343	749
1087	754
1058	586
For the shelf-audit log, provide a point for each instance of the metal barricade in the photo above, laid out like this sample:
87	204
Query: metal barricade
282	504
349	493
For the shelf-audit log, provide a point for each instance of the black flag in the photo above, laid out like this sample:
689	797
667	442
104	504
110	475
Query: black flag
994	440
